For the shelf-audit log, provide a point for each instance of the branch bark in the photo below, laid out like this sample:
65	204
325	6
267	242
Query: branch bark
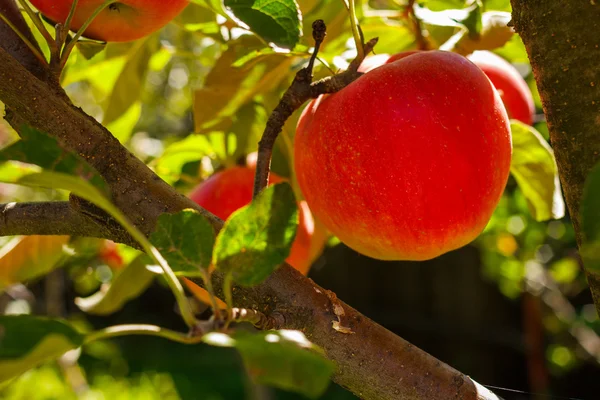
55	218
563	45
372	362
13	44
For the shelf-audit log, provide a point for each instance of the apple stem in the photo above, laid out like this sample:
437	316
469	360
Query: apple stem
28	43
410	14
69	47
356	32
67	25
37	21
211	293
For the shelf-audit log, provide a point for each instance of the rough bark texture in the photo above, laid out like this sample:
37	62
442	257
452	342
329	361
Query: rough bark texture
54	218
563	43
13	44
372	362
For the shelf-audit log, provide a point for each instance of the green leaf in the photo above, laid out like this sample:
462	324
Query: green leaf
29	257
192	148
27	341
127	285
128	86
37	148
89	48
122	127
590	220
534	168
590	206
226	87
185	240
284	359
257	238
276	21
438	5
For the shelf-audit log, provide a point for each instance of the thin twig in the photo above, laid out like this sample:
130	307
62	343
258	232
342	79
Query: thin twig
37	21
301	90
409	13
256	318
69	47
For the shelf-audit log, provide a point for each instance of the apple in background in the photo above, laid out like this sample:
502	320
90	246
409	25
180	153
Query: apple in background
510	84
230	189
410	160
109	254
121	21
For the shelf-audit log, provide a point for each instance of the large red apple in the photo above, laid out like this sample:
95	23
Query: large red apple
409	161
121	21
230	189
510	84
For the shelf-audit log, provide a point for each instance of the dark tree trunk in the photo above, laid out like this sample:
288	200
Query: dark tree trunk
563	43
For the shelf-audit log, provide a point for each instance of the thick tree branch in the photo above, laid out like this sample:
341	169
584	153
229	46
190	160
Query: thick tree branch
563	45
372	362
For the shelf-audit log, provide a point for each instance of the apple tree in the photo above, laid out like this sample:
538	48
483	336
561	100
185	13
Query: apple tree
216	147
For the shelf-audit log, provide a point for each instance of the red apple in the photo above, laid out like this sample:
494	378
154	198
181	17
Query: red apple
230	189
109	253
121	21
410	160
372	62
510	84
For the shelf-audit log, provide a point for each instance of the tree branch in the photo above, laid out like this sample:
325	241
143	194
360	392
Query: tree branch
56	218
14	45
372	362
563	46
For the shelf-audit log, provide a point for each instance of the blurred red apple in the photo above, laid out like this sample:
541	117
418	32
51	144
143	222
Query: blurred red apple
510	85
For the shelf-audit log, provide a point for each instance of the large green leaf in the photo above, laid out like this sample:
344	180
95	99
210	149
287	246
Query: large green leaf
535	171
257	238
284	359
276	21
27	341
590	220
127	285
42	150
28	257
186	240
227	87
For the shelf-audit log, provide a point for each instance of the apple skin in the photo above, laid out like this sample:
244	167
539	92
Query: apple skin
410	160
510	84
122	21
228	190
